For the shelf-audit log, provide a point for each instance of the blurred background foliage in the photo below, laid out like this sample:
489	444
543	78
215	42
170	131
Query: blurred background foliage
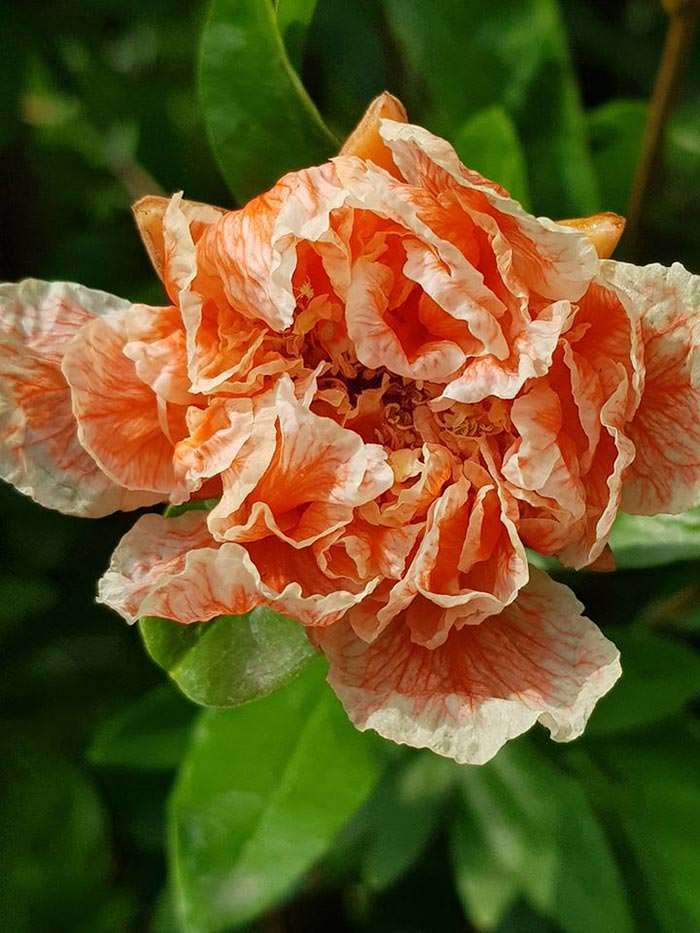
283	818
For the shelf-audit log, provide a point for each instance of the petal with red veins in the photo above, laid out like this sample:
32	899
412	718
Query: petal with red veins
40	452
555	261
305	474
470	563
539	660
122	423
173	568
665	474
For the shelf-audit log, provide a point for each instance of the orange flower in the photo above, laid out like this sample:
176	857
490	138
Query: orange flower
392	379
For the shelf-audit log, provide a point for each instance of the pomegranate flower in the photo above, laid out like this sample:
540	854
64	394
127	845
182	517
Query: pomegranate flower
392	380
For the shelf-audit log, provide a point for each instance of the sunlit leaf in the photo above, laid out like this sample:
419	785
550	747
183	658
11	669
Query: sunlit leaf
652	540
488	142
485	889
261	795
261	121
230	660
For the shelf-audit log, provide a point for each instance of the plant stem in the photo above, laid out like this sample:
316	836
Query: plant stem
683	15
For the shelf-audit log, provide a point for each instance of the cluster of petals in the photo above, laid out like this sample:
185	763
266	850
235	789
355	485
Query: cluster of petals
385	380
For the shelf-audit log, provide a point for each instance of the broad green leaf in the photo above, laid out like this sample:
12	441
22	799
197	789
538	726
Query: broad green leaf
464	55
230	660
659	677
662	822
616	130
293	20
653	783
653	540
152	733
407	811
485	889
488	141
540	828
260	797
53	844
261	121
350	59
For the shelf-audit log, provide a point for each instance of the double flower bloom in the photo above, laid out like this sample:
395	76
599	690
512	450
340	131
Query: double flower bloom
391	380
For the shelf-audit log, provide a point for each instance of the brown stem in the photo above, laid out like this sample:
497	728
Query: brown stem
683	15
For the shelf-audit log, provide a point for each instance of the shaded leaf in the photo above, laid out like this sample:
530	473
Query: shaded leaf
293	21
230	660
484	888
261	795
407	811
261	121
539	827
659	677
514	54
151	733
53	845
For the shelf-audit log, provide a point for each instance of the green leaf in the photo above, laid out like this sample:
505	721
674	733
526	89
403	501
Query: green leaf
616	130
540	829
151	733
659	677
261	121
293	21
408	809
484	888
53	845
653	781
513	54
653	540
260	797
230	660
488	141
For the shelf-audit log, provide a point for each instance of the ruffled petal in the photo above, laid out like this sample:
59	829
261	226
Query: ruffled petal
40	452
173	568
299	476
554	261
122	423
665	474
468	566
149	214
540	660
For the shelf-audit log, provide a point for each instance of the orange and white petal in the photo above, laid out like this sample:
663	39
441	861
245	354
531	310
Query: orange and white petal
665	474
308	486
215	436
149	214
555	261
122	423
540	660
469	565
173	568
530	356
400	342
365	140
253	250
40	453
419	478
